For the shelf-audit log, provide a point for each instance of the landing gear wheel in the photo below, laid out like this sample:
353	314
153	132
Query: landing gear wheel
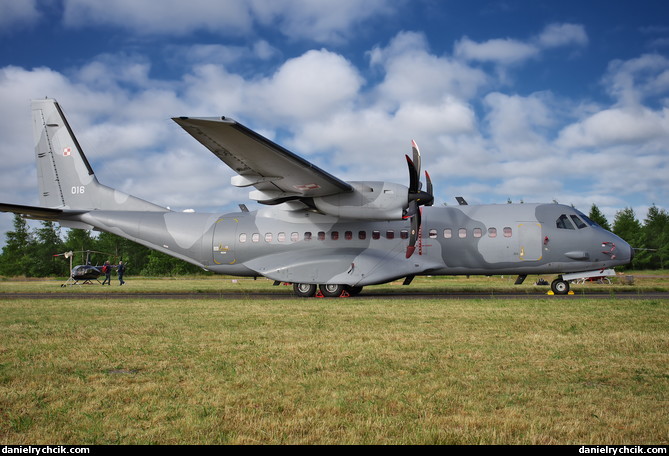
354	291
332	291
560	287
304	290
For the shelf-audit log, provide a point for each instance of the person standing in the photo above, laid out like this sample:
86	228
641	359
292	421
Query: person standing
106	270
120	270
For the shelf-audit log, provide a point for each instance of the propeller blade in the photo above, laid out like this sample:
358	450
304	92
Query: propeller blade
416	159
414	179
413	235
416	197
430	189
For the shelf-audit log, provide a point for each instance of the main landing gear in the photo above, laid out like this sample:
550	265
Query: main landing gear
308	290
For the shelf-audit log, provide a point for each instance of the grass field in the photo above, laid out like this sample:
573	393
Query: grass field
541	370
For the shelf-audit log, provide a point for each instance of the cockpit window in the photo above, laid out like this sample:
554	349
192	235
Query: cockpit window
586	219
578	222
563	223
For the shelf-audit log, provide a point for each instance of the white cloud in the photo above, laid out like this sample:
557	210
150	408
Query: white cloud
632	81
557	35
316	84
617	126
412	73
518	125
14	14
501	51
507	51
166	16
322	21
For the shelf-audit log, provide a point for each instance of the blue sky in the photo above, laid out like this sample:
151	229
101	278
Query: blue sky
522	100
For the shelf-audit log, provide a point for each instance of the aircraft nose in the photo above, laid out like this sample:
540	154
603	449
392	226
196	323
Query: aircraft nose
626	254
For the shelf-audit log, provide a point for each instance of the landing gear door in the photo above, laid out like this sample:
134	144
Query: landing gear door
530	243
225	237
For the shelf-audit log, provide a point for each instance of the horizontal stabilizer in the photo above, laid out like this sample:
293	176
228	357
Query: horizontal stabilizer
40	213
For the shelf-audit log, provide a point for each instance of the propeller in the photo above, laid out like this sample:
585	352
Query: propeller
417	197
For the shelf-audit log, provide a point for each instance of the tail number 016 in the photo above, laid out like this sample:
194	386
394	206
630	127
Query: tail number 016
80	190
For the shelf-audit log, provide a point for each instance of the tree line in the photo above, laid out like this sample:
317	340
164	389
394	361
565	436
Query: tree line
30	252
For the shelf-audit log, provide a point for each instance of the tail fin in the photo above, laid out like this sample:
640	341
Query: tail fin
66	179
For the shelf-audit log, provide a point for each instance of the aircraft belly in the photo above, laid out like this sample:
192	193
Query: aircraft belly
346	266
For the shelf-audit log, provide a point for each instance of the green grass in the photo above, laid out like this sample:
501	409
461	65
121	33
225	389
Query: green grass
333	371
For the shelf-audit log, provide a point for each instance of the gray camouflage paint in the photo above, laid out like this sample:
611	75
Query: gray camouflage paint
224	243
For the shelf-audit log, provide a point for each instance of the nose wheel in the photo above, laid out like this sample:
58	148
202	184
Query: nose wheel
560	286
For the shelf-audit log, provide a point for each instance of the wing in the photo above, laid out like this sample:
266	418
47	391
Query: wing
276	173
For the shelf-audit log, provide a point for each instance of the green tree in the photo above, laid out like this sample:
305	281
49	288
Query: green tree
160	264
656	237
629	228
79	241
18	253
48	242
598	217
134	255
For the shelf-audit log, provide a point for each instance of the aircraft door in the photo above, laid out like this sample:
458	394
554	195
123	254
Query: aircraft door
224	240
530	243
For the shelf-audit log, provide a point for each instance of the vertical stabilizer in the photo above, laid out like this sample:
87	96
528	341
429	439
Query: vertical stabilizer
66	179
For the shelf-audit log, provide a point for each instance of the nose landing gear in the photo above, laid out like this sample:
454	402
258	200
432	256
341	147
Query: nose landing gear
560	286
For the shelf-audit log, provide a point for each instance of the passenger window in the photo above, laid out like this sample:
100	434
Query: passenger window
432	234
508	232
478	232
578	222
362	235
294	237
255	237
281	237
348	235
390	234
462	233
448	233
334	235
268	237
404	234
321	235
376	234
242	237
307	236
492	232
563	223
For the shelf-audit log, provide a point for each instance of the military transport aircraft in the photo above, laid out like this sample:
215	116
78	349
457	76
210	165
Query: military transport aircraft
316	231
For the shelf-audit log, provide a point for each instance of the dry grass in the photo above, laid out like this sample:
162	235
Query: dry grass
342	371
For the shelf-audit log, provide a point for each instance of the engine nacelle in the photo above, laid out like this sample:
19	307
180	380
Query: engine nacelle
367	201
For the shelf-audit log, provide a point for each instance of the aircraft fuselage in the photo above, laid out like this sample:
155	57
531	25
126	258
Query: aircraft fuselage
310	247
